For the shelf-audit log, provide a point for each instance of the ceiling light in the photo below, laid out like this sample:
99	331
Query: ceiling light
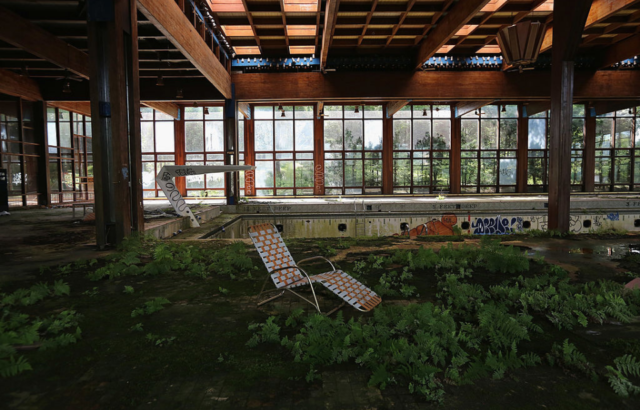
283	114
357	110
160	81
206	110
504	108
476	112
280	107
60	115
630	111
66	87
437	108
424	112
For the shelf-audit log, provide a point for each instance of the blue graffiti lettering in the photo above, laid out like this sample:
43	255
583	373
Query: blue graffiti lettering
496	226
614	216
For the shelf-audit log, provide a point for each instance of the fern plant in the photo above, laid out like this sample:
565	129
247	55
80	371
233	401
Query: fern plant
618	376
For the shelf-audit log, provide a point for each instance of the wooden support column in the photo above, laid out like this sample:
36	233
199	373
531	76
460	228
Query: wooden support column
249	154
318	152
40	132
455	162
523	150
387	155
179	143
232	187
115	109
589	160
566	39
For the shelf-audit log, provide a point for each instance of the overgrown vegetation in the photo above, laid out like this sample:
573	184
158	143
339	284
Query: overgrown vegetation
469	332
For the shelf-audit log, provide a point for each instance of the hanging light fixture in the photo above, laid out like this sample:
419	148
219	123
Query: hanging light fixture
437	108
280	107
477	112
66	87
520	43
160	81
206	110
283	114
60	115
630	111
504	108
357	110
424	112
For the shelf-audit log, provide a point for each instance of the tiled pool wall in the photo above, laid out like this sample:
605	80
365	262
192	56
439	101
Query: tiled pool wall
484	223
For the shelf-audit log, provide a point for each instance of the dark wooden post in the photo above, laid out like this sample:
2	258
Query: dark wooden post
232	187
249	155
318	153
570	16
115	112
40	132
456	152
589	164
523	150
179	143
387	154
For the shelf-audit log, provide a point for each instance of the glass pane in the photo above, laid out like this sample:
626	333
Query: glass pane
401	134
264	135
263	113
352	172
440	173
489	134
577	133
164	136
333	173
333	111
52	136
441	134
373	172
284	136
624	127
402	172
603	171
508	134
535	171
510	111
304	174
578	110
373	134
537	135
405	112
353	135
421	111
350	111
304	135
264	174
576	170
284	174
604	128
65	134
146	131
441	111
373	111
488	171
421	172
147	113
214	136
193	113
332	135
194	133
422	134
215	113
305	111
195	181
148	175
489	111
508	171
469	134
622	171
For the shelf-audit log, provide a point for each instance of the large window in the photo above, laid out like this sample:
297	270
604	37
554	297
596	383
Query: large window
615	167
489	139
421	149
353	149
158	148
70	156
538	153
284	150
204	145
19	151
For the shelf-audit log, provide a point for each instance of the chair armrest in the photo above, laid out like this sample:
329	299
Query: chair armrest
291	267
333	268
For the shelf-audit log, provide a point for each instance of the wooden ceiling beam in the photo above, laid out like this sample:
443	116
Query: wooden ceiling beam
537	107
330	15
434	20
169	19
245	110
600	10
437	85
459	15
168	108
465	107
604	107
80	107
23	34
395	106
622	50
319	109
19	86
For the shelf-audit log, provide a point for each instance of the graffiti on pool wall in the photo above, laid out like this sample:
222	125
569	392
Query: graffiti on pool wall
496	226
614	216
442	226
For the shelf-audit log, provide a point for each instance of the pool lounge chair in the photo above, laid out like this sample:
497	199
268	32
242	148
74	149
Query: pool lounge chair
286	274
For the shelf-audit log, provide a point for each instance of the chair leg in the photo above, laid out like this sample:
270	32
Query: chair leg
335	309
271	298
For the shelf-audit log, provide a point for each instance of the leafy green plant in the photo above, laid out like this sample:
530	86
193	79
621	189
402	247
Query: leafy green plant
91	293
150	307
138	327
223	290
264	332
128	290
159	340
568	357
618	376
394	283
